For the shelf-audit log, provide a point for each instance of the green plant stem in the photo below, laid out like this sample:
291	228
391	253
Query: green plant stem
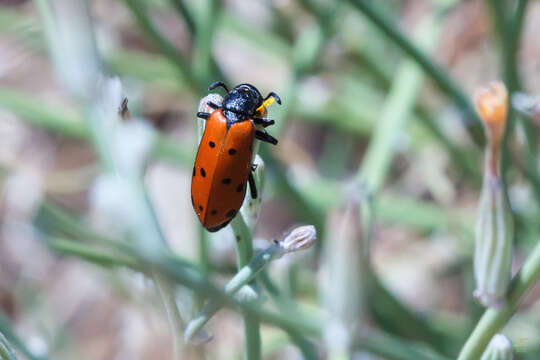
185	13
244	253
508	26
493	320
244	244
395	112
188	275
146	230
102	257
70	123
461	157
6	353
242	277
439	75
164	45
391	348
6	328
166	293
374	170
202	56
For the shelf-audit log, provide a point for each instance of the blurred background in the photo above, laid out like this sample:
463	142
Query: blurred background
359	107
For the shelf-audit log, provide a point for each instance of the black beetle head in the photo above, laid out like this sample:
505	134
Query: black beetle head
243	99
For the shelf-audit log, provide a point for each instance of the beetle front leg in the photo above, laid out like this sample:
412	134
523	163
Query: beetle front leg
252	186
203	115
264	136
264	122
213	105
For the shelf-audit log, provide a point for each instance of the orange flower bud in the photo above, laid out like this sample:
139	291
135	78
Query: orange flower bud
492	106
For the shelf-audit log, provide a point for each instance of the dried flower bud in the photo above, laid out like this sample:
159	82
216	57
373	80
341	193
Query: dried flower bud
499	348
492	106
493	244
301	238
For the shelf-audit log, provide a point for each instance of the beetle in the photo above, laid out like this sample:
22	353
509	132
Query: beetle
223	165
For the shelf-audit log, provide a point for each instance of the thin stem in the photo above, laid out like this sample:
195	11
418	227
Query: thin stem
439	75
204	67
6	353
71	124
374	170
176	325
165	46
6	328
244	253
242	277
461	157
493	320
244	243
185	13
392	348
98	256
395	113
187	275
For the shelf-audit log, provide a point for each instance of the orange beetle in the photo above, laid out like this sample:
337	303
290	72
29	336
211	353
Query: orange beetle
223	163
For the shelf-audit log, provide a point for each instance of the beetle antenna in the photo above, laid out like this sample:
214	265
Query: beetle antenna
273	95
216	84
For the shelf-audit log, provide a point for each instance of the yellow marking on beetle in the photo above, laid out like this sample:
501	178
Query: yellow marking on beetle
261	110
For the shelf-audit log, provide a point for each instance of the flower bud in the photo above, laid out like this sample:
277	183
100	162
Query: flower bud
343	277
493	243
492	106
499	348
301	238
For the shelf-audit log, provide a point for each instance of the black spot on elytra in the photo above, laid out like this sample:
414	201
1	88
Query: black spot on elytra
240	187
212	144
200	208
232	151
203	172
226	181
230	213
214	212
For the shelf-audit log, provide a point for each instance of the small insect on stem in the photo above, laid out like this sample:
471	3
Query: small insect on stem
123	110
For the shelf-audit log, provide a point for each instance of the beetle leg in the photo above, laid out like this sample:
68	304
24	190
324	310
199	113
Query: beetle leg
252	186
213	105
264	122
216	84
203	115
264	136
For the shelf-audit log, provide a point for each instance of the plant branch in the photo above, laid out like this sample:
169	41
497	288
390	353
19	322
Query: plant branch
242	277
164	45
493	320
438	74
